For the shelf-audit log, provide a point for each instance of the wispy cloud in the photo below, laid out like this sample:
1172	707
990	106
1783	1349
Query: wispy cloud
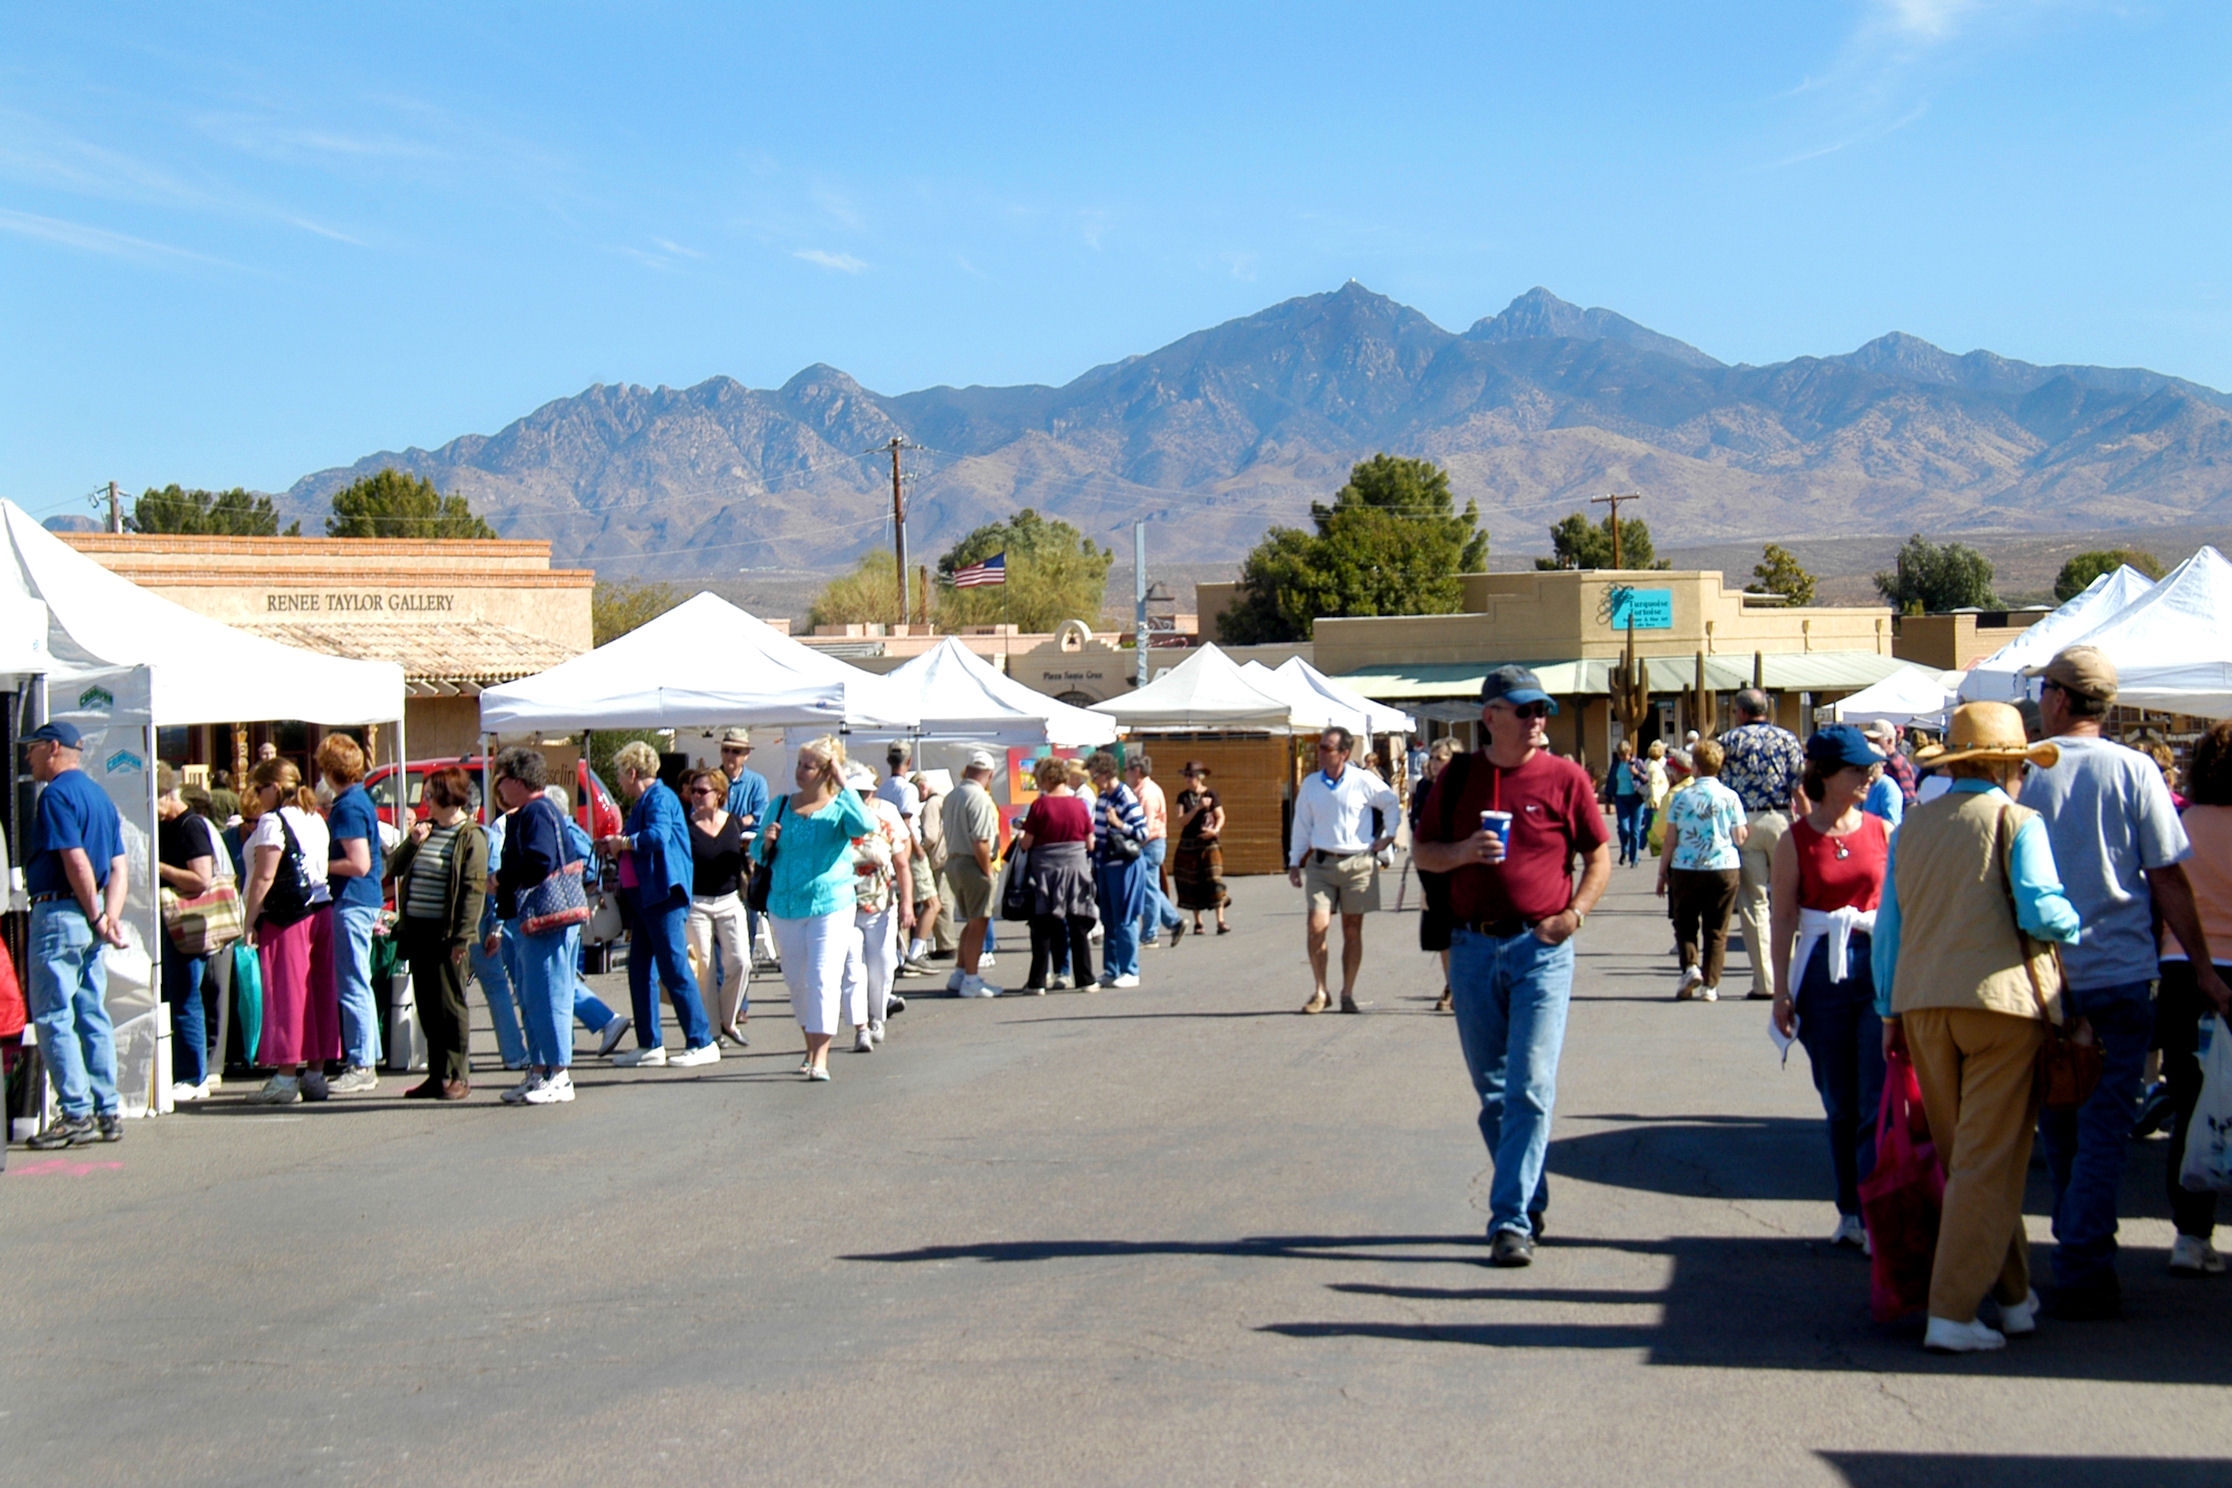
843	263
90	239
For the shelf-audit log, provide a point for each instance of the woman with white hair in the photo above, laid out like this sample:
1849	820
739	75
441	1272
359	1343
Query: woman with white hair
884	885
656	871
812	893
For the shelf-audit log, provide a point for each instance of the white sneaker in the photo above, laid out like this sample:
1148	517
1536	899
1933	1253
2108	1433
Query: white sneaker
182	1093
987	960
2190	1255
1708	994
608	1037
652	1058
1058	983
953	982
864	1042
692	1058
279	1090
357	1079
554	1089
1692	979
876	1032
1850	1231
519	1094
2020	1319
975	986
1944	1336
1128	979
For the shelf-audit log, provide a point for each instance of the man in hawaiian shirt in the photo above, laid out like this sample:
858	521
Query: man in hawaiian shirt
1765	766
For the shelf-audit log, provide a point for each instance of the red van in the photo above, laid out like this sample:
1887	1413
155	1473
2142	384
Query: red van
599	814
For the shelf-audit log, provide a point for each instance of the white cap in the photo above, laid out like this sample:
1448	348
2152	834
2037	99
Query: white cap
979	760
859	777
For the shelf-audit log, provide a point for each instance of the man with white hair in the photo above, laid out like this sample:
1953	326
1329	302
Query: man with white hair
972	833
886	908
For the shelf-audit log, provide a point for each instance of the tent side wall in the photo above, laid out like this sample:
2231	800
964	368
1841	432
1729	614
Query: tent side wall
1249	774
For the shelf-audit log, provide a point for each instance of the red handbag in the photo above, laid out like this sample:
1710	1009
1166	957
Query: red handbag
1902	1199
13	1014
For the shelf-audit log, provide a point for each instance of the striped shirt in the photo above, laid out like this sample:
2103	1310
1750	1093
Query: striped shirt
426	894
1117	810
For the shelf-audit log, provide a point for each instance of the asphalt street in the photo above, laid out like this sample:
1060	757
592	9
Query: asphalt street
1176	1234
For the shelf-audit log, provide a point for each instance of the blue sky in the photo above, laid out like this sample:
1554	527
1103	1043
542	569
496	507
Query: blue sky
240	243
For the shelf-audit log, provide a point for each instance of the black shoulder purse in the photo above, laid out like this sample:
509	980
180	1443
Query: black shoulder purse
763	869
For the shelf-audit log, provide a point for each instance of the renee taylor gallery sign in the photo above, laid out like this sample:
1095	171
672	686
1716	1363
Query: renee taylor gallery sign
392	602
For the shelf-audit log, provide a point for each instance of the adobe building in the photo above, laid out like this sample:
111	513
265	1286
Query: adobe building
458	616
1695	640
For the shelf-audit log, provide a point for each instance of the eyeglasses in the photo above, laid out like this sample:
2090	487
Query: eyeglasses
1532	710
702	790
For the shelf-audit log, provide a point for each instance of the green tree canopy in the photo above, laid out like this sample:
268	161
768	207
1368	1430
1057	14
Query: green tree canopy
868	595
1054	573
2080	571
393	504
1930	578
1777	572
234	513
1392	543
1577	542
619	606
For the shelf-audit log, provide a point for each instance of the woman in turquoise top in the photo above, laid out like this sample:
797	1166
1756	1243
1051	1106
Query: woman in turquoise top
811	895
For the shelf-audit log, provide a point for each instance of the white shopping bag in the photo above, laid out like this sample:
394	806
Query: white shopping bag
2208	1151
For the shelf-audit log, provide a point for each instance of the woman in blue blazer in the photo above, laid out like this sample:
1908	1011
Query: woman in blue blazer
655	875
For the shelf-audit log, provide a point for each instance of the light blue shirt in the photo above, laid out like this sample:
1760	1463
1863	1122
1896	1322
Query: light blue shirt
2110	819
1886	800
748	797
1701	822
2040	907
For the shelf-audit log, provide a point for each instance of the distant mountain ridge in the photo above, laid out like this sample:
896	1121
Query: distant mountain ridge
1228	430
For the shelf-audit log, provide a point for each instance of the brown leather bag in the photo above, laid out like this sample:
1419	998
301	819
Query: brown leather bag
2069	1063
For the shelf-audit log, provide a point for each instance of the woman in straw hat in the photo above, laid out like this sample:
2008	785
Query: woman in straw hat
1971	891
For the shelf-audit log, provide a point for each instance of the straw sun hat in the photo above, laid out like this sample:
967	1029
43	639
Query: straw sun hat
1987	731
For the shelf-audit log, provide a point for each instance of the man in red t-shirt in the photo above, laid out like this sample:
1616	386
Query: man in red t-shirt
1514	908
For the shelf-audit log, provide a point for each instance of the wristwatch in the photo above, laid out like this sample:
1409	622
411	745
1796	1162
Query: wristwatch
1579	919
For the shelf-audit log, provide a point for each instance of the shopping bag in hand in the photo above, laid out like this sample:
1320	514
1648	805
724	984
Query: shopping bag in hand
2207	1167
1902	1198
247	987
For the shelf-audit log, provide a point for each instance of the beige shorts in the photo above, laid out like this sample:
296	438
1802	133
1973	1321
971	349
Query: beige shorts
972	891
1341	885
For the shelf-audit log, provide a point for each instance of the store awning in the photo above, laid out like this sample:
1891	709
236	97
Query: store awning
1783	671
442	658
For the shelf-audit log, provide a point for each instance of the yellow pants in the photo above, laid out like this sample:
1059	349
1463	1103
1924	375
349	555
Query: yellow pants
1979	1078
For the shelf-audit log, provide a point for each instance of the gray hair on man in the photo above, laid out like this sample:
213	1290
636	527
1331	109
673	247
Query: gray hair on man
1752	703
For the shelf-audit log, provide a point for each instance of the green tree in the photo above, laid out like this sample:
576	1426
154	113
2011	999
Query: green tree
1777	572
1930	578
234	513
393	504
1054	573
2080	571
619	606
1392	543
1577	542
868	595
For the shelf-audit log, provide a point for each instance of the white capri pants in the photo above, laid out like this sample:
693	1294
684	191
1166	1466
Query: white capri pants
814	953
871	963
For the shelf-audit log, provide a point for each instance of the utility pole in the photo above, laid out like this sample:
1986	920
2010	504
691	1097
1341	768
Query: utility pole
1139	600
116	510
1615	500
899	528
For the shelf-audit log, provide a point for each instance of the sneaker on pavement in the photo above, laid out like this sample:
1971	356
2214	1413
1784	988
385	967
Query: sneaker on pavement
517	1095
1850	1232
608	1037
279	1090
1510	1248
876	1032
1708	994
357	1079
892	1005
1177	933
2190	1255
1126	979
1317	1004
2020	1319
654	1057
1944	1336
67	1131
953	982
111	1126
315	1085
987	960
553	1089
1692	979
864	1042
182	1092
692	1058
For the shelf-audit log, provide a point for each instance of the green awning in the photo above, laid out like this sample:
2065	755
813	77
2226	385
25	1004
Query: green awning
1784	671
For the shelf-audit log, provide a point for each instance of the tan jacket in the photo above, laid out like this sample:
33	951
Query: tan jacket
1959	946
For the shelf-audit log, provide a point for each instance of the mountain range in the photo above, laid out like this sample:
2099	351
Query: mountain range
1228	430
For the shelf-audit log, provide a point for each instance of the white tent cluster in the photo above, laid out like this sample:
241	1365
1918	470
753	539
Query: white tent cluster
1209	691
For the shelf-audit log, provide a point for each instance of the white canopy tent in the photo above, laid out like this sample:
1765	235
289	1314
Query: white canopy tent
1204	693
2172	646
1377	718
1306	707
1999	678
959	695
1920	696
702	664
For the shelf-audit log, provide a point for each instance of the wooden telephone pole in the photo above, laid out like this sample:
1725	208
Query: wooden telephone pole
1614	501
899	530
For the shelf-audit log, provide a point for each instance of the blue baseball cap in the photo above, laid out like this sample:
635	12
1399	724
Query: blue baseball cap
1839	745
1514	684
59	731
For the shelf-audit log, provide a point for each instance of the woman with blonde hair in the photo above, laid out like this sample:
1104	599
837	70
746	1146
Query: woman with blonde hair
287	908
807	842
656	870
353	835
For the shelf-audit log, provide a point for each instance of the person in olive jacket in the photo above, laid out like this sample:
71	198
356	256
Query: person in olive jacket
441	873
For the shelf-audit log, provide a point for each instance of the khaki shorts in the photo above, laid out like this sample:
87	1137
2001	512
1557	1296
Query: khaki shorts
972	891
1341	885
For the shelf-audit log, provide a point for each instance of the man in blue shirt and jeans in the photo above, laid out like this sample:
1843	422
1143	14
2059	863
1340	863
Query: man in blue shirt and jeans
76	878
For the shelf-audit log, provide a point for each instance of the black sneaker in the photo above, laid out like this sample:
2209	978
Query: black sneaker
1510	1248
112	1126
67	1131
1535	1222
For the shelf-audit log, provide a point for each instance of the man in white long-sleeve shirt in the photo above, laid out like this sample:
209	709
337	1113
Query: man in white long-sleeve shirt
1332	857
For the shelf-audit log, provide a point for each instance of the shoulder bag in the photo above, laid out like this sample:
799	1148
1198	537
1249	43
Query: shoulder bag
210	921
763	869
1015	886
2069	1065
1122	846
561	898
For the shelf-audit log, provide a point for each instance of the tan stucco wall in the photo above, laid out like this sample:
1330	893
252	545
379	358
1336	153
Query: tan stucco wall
1957	642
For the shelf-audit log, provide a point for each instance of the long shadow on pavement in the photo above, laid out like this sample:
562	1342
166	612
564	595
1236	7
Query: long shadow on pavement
1931	1469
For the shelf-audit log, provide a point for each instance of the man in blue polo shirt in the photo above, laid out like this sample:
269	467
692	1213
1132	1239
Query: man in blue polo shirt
76	879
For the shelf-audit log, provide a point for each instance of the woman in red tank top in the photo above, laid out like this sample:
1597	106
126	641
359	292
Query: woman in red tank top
1828	879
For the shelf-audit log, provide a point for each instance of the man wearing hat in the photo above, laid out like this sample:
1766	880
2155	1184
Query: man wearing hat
1506	823
747	802
972	834
1897	768
77	879
2118	845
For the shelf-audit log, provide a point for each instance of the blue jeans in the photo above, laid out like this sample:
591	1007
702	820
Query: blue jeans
1837	1023
1158	914
1633	823
182	989
658	942
2085	1147
352	974
547	966
1120	890
68	994
495	978
1510	996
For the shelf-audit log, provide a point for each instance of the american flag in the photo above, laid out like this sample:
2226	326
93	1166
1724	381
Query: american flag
992	570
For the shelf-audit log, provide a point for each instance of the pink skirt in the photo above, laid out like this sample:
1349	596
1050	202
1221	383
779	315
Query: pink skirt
302	1001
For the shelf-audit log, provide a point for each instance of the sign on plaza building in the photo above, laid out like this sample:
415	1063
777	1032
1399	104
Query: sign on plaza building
1643	609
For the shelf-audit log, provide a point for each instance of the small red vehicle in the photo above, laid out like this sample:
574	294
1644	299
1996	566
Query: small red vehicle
594	808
